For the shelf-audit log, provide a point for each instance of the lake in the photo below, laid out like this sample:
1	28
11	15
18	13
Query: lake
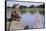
29	19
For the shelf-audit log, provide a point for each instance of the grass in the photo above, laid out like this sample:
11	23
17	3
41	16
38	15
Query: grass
32	10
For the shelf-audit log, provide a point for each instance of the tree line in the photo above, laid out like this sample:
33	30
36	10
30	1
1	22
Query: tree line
32	6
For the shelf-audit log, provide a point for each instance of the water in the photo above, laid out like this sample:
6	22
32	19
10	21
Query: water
29	19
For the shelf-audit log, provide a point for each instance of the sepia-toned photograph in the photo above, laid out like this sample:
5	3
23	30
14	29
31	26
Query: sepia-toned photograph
24	15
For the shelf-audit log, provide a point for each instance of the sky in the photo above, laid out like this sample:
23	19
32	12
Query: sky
11	3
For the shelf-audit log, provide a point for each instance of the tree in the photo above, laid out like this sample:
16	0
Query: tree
14	6
41	6
22	6
31	6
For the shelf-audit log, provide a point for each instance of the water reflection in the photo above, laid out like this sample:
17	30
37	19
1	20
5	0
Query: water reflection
29	19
